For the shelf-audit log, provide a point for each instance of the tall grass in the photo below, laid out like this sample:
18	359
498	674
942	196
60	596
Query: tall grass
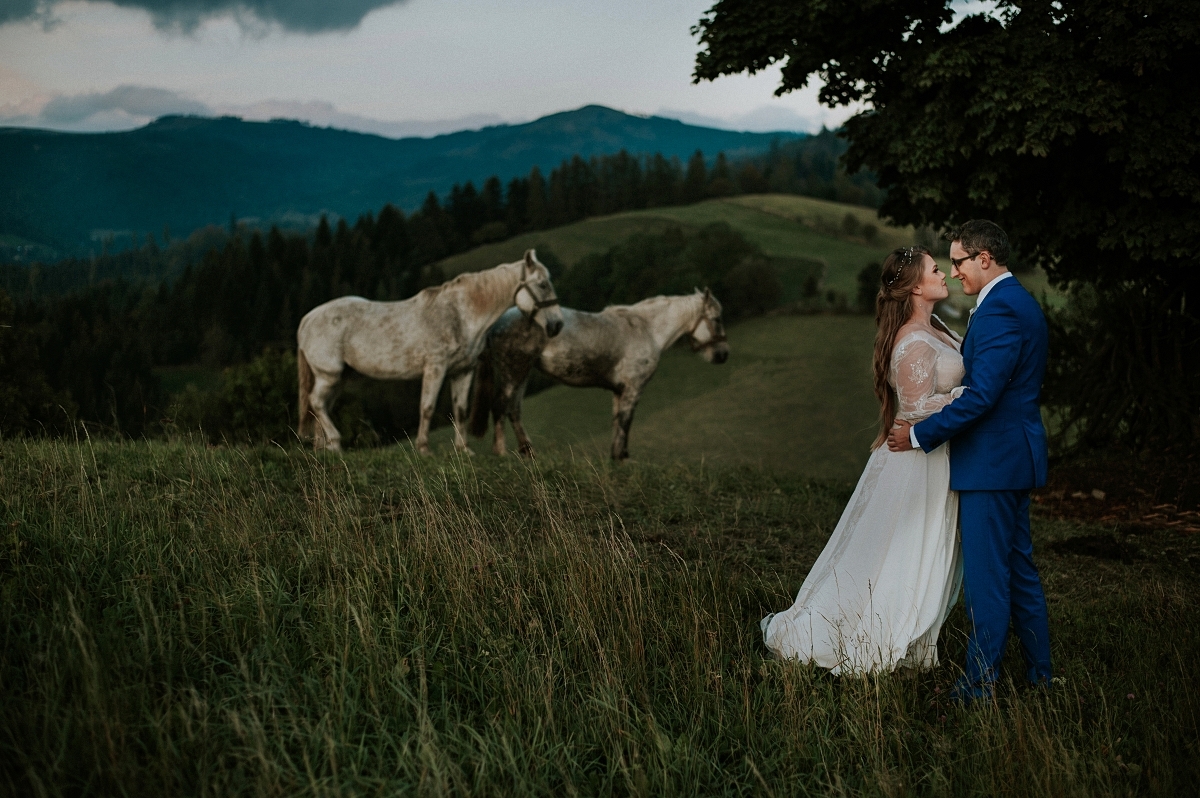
179	619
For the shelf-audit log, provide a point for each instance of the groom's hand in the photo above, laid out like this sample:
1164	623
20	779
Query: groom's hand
898	439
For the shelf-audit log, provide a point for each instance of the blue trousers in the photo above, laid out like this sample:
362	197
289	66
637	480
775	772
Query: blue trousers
1001	584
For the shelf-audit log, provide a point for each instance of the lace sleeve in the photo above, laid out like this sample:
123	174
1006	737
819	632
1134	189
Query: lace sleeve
914	373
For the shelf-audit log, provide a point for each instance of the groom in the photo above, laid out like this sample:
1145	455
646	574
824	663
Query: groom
997	454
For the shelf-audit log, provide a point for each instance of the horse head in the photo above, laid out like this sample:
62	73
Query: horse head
535	295
708	336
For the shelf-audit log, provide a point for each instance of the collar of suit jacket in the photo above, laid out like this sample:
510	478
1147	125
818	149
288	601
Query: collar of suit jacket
987	289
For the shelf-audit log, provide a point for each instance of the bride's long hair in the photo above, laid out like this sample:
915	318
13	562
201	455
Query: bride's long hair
893	308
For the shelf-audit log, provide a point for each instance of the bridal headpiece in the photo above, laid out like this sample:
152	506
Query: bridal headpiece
906	257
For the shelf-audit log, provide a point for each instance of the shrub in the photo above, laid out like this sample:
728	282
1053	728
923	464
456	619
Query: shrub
676	262
1124	368
749	289
868	288
27	402
254	402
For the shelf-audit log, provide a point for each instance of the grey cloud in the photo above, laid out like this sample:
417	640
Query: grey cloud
17	10
136	101
764	119
128	107
324	114
302	16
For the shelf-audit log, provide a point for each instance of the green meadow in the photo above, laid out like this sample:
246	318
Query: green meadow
181	619
795	396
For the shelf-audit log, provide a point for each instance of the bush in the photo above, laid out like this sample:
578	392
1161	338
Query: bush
749	289
676	262
868	288
254	402
27	402
1124	368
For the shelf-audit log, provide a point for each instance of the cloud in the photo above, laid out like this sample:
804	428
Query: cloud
135	102
301	16
764	119
129	107
324	114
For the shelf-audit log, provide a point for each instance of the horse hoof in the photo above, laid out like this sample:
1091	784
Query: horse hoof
527	451
424	451
467	451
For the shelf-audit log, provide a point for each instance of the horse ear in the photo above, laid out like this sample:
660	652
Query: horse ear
530	258
707	292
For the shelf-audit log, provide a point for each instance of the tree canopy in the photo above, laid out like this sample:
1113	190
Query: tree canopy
1074	124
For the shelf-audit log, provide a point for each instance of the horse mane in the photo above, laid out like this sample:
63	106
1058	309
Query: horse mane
645	304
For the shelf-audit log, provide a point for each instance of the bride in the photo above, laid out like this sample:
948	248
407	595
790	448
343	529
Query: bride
877	596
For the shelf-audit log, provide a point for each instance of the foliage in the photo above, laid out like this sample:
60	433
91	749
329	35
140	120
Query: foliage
254	402
868	287
27	402
1126	368
97	350
676	262
1074	125
187	620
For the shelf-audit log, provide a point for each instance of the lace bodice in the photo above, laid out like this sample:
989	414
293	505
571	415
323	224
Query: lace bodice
926	372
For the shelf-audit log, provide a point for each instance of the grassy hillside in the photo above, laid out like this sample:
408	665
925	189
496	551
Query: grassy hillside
785	226
185	620
795	396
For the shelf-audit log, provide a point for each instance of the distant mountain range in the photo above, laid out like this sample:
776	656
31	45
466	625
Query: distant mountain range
70	190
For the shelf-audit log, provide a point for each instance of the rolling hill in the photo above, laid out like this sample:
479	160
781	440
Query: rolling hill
787	227
67	189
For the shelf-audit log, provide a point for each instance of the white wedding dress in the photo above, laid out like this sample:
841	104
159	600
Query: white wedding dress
877	596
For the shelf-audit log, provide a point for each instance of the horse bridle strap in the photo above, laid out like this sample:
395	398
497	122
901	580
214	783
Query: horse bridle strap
717	338
538	304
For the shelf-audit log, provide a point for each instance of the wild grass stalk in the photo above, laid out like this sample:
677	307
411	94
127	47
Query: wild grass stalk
180	619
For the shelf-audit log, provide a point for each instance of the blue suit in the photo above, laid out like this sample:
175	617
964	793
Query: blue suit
997	454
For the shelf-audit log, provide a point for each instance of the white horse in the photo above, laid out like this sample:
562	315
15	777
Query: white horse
436	334
617	348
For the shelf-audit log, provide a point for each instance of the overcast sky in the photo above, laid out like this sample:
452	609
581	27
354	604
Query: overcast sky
413	67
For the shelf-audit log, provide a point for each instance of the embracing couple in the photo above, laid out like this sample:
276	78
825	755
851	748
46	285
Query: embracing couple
964	446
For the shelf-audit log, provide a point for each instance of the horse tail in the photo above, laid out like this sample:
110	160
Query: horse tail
305	378
482	395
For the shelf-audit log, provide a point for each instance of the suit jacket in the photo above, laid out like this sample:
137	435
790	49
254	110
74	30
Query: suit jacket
998	441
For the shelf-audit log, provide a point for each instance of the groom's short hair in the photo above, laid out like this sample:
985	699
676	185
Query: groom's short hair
980	234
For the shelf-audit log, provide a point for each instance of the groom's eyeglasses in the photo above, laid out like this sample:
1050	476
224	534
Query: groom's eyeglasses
960	261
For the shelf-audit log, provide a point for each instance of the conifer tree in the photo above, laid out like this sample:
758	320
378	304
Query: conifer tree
695	184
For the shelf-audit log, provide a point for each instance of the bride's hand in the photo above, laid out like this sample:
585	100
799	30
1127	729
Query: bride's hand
898	438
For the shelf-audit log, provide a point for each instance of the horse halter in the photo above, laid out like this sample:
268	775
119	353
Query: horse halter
717	338
538	304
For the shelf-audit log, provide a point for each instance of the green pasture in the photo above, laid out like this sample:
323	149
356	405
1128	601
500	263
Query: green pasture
795	396
181	619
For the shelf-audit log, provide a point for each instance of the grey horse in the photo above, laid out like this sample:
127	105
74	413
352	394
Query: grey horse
435	335
617	348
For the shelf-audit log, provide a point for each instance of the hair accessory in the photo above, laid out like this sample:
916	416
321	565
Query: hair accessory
906	257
